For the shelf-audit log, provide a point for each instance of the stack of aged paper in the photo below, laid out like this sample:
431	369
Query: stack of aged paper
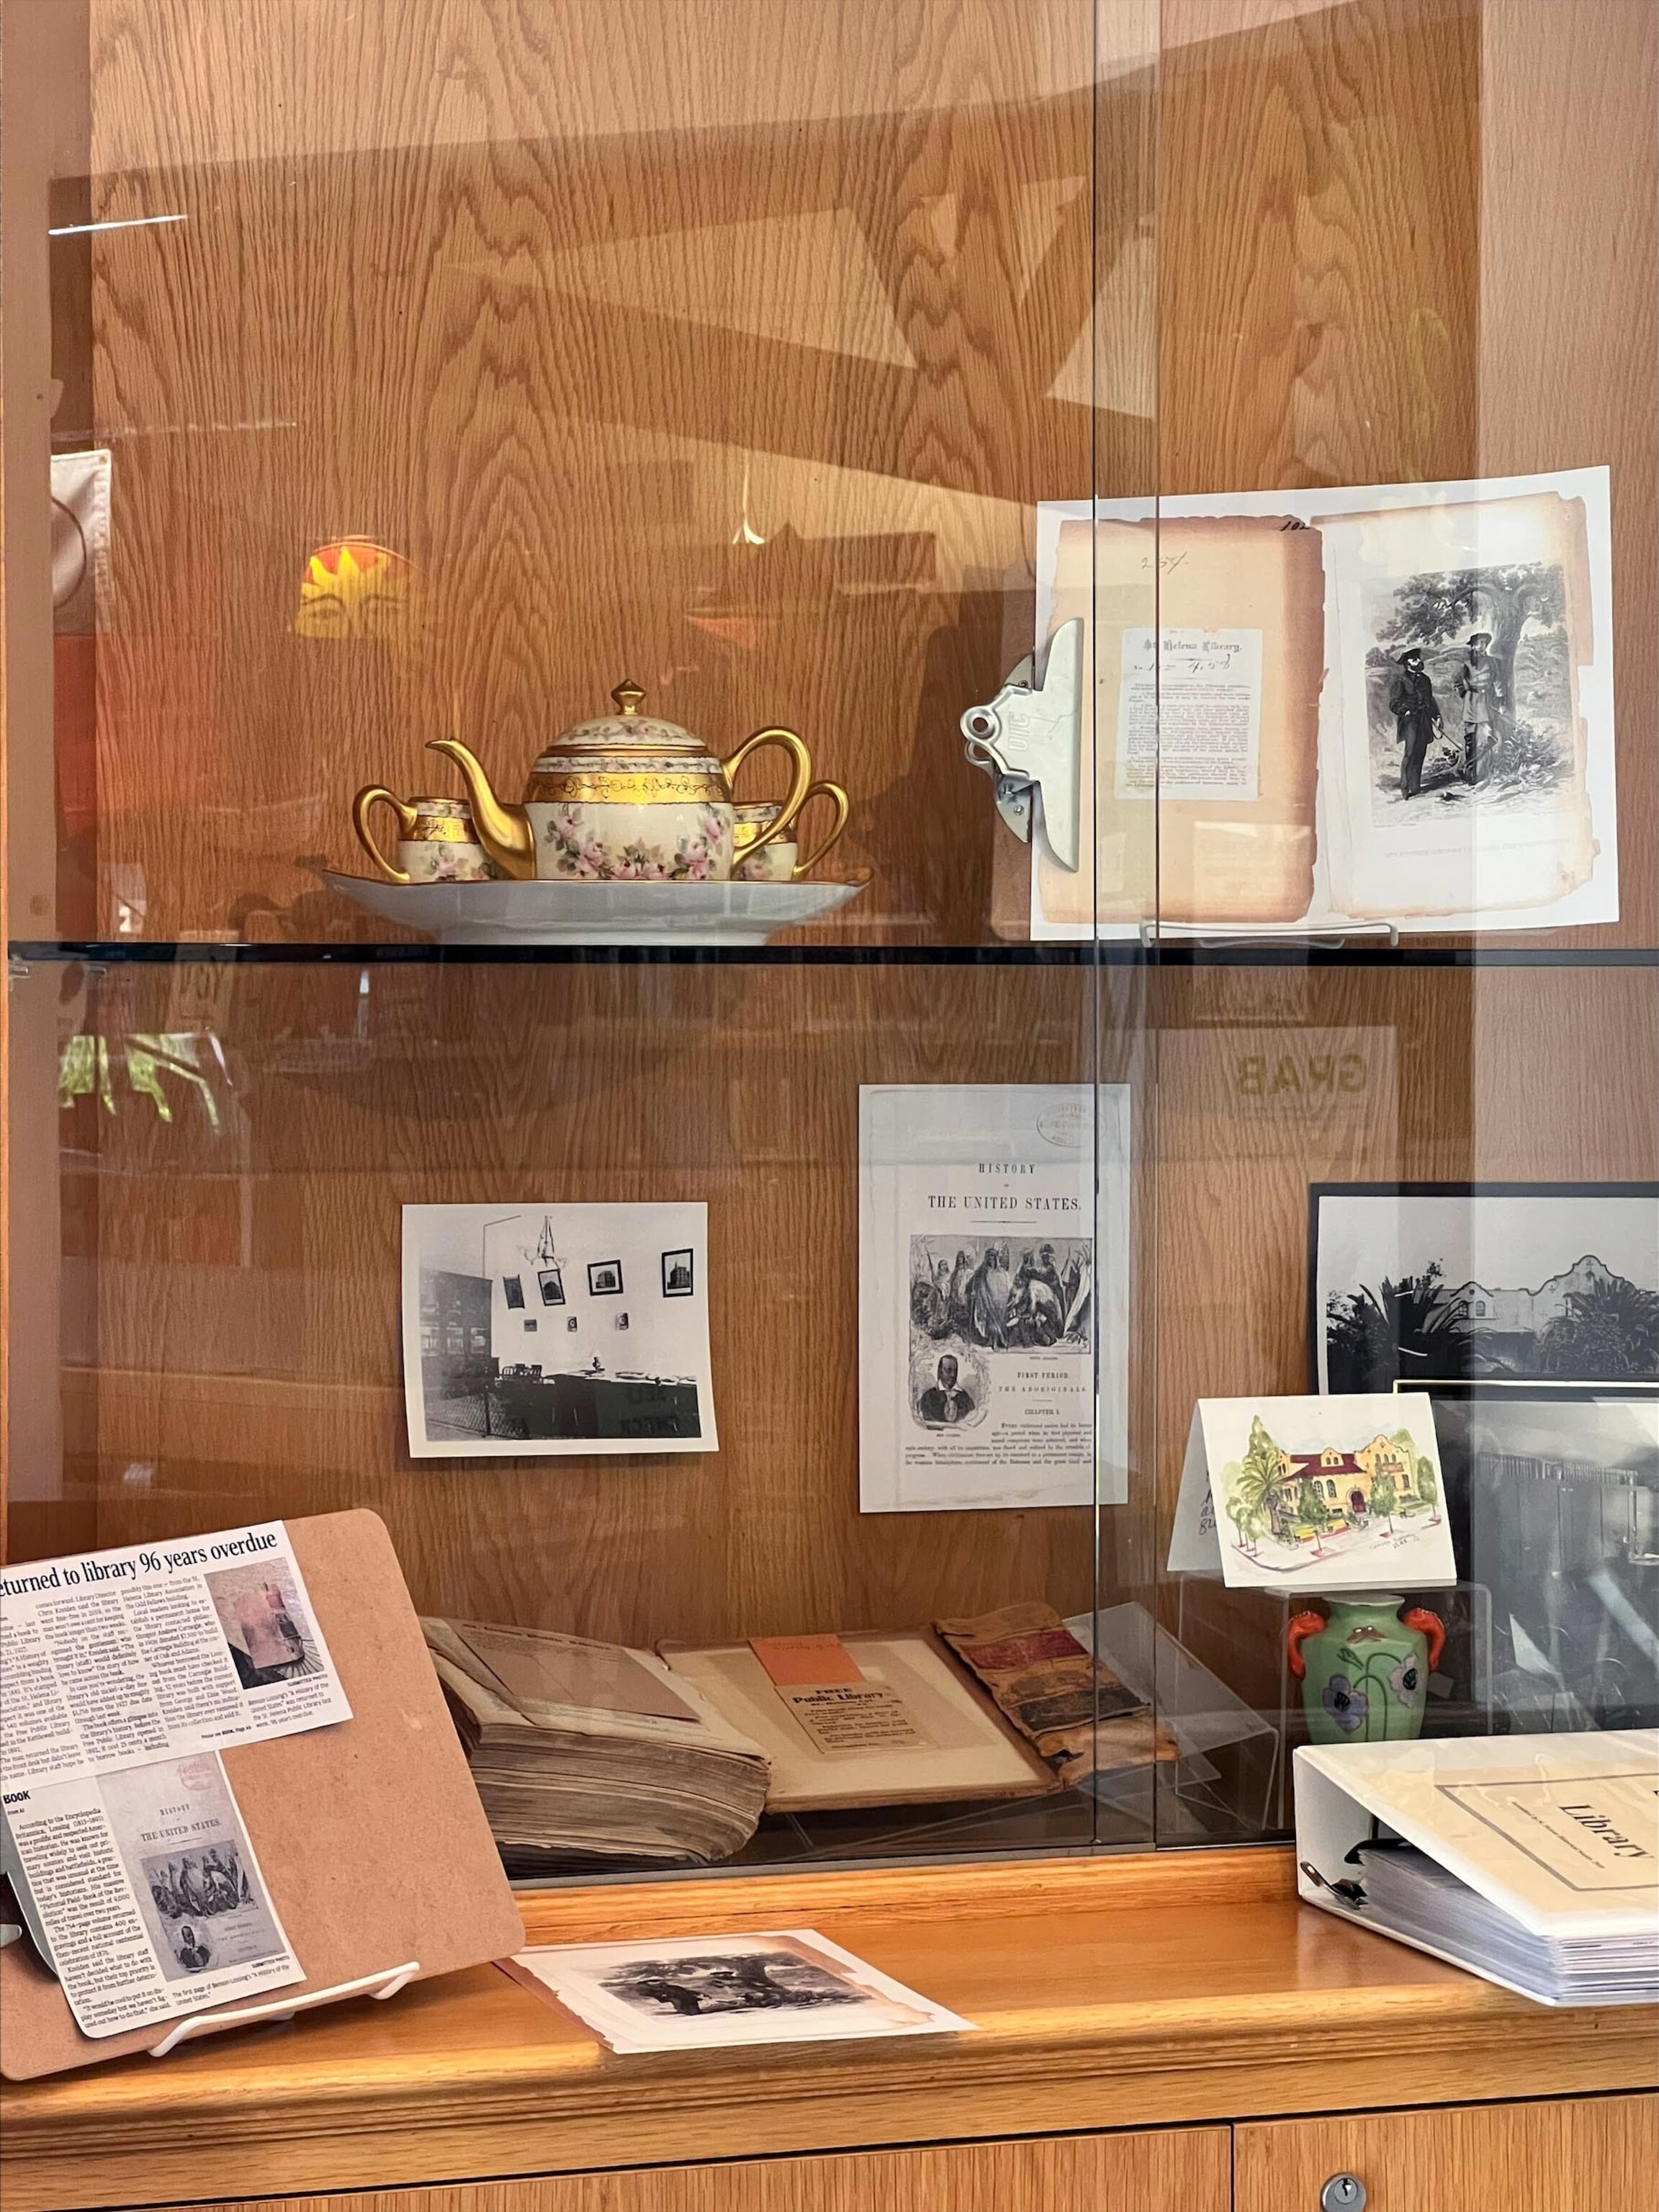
587	1753
1076	1710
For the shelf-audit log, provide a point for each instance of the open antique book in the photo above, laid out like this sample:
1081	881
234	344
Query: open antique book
586	1753
1308	708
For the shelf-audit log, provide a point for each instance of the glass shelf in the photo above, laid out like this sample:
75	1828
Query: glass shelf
1183	952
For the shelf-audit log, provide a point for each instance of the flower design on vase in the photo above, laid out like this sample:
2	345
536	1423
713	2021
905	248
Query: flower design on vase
1346	1705
1403	1679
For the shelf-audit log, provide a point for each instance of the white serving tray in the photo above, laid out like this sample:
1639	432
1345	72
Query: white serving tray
548	912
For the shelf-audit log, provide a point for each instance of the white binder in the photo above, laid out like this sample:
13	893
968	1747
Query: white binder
1556	1836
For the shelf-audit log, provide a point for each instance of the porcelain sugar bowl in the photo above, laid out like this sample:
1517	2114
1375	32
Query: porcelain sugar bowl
628	797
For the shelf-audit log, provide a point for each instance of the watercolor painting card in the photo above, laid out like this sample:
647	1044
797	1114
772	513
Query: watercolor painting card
1315	1494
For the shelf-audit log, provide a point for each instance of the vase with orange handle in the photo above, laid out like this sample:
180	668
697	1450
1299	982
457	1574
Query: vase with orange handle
1364	1669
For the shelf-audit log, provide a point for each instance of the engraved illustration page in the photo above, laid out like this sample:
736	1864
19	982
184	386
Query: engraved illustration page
1457	744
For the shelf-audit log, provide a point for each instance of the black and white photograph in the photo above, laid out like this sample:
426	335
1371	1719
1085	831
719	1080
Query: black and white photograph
265	1627
480	1381
709	1991
514	1287
693	1987
1469	690
1553	1492
1419	1283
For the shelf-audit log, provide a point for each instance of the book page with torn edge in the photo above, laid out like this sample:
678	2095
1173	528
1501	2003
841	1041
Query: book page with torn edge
1252	587
1430	577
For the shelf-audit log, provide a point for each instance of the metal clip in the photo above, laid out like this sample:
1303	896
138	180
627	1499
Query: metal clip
1027	740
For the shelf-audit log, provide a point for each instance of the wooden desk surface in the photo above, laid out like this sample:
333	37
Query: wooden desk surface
1111	1994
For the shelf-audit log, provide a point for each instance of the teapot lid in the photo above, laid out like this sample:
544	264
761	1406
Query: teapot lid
627	729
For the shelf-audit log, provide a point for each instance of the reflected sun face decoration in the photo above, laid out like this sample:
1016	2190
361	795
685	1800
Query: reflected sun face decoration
353	588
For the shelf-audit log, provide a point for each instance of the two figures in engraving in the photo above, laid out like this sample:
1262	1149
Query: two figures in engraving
1417	714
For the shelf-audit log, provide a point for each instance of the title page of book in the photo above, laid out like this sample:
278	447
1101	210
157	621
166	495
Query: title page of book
989	1276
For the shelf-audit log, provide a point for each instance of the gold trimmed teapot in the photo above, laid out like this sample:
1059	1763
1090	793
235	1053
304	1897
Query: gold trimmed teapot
628	797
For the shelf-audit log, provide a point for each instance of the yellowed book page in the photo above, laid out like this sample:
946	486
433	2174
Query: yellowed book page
1208	648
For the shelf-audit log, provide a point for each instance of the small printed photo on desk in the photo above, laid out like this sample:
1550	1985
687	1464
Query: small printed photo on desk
490	1372
703	1993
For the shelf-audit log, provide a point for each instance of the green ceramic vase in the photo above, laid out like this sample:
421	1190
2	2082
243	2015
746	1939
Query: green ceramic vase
1364	1672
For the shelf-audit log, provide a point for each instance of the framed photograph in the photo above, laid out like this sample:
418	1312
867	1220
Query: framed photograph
615	1376
1552	1493
693	1993
1415	1284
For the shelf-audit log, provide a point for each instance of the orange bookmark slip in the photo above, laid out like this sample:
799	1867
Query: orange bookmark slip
842	1712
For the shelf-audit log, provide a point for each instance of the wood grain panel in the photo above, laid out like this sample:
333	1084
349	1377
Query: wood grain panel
534	299
1526	2158
1319	200
1567	359
1172	2171
1123	1992
248	1341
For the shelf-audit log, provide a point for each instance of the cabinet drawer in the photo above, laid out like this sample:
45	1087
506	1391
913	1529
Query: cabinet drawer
1595	2152
1169	2170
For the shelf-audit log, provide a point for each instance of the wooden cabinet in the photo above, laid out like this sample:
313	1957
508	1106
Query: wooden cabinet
1592	2154
1169	2170
1601	2154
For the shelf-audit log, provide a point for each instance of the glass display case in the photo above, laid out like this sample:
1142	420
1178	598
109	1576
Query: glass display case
1181	480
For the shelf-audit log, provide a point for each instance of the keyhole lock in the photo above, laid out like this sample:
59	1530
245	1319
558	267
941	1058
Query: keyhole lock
1343	2192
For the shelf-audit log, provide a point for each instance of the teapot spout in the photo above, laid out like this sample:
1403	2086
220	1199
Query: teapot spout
503	831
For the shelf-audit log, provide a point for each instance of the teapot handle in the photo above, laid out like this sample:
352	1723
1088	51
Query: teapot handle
1296	1632
843	807
800	786
371	794
1419	1616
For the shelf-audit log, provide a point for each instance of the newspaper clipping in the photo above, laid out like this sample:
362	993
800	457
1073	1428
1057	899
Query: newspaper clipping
141	1891
125	1673
124	1656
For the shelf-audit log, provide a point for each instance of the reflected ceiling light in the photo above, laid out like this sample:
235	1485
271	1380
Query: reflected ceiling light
126	222
354	587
